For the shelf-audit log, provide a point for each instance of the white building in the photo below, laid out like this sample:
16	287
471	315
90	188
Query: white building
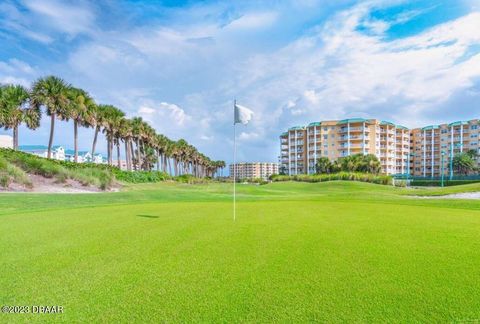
83	157
58	153
252	170
6	141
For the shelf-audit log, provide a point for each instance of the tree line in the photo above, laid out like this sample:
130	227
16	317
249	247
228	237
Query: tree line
142	145
463	163
368	163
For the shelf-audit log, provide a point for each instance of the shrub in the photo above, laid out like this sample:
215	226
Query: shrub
438	183
190	179
10	171
4	179
140	176
346	176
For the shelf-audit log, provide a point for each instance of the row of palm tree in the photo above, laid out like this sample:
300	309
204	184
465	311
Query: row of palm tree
143	146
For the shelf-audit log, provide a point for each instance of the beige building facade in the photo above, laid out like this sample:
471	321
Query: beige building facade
435	145
301	147
252	170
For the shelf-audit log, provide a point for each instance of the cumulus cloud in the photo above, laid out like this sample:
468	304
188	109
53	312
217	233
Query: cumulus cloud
44	20
17	72
165	117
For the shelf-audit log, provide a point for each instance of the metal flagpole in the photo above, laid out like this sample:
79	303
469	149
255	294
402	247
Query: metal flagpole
234	162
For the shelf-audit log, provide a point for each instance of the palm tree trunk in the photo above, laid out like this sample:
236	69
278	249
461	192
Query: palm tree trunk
118	154
158	161
75	140
97	129
132	152
127	155
15	138
108	151
50	140
139	155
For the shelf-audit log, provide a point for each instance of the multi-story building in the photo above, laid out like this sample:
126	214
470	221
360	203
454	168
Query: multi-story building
301	147
435	144
251	170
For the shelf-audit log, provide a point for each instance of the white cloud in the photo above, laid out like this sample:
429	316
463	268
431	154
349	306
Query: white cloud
16	72
163	114
68	18
253	20
244	136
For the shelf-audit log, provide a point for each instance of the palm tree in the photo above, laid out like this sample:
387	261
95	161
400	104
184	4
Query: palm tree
15	111
113	115
137	131
125	134
52	93
81	111
98	121
323	165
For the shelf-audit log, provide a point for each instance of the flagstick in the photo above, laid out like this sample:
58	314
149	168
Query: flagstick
234	162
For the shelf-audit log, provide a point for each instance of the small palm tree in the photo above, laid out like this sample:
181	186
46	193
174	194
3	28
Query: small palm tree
15	110
52	93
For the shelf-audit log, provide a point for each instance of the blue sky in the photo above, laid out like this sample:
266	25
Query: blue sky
179	64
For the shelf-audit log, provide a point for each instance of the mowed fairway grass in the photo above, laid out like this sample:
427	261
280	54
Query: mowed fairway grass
330	252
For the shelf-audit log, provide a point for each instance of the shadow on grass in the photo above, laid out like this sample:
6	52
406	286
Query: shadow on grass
148	216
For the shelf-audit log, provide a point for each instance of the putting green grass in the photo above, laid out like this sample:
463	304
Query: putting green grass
331	252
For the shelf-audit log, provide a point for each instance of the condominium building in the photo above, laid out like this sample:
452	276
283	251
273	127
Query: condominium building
301	147
251	170
436	143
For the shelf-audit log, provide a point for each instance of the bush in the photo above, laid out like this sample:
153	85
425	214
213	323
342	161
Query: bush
11	172
345	176
438	183
190	179
140	176
4	179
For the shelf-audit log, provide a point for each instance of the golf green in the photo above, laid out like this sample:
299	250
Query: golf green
297	252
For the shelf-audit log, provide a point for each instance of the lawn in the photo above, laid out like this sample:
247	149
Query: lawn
332	252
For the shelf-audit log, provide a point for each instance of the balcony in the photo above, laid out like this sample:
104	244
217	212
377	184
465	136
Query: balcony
354	130
353	138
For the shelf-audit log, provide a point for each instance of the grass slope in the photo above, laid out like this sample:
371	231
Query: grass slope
336	251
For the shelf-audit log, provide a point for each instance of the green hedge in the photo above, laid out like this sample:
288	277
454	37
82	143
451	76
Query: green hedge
438	183
346	176
140	176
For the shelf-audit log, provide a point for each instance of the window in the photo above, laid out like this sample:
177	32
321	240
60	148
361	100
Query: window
474	127
325	137
474	136
325	128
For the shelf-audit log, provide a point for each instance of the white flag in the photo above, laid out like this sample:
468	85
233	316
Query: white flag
242	114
